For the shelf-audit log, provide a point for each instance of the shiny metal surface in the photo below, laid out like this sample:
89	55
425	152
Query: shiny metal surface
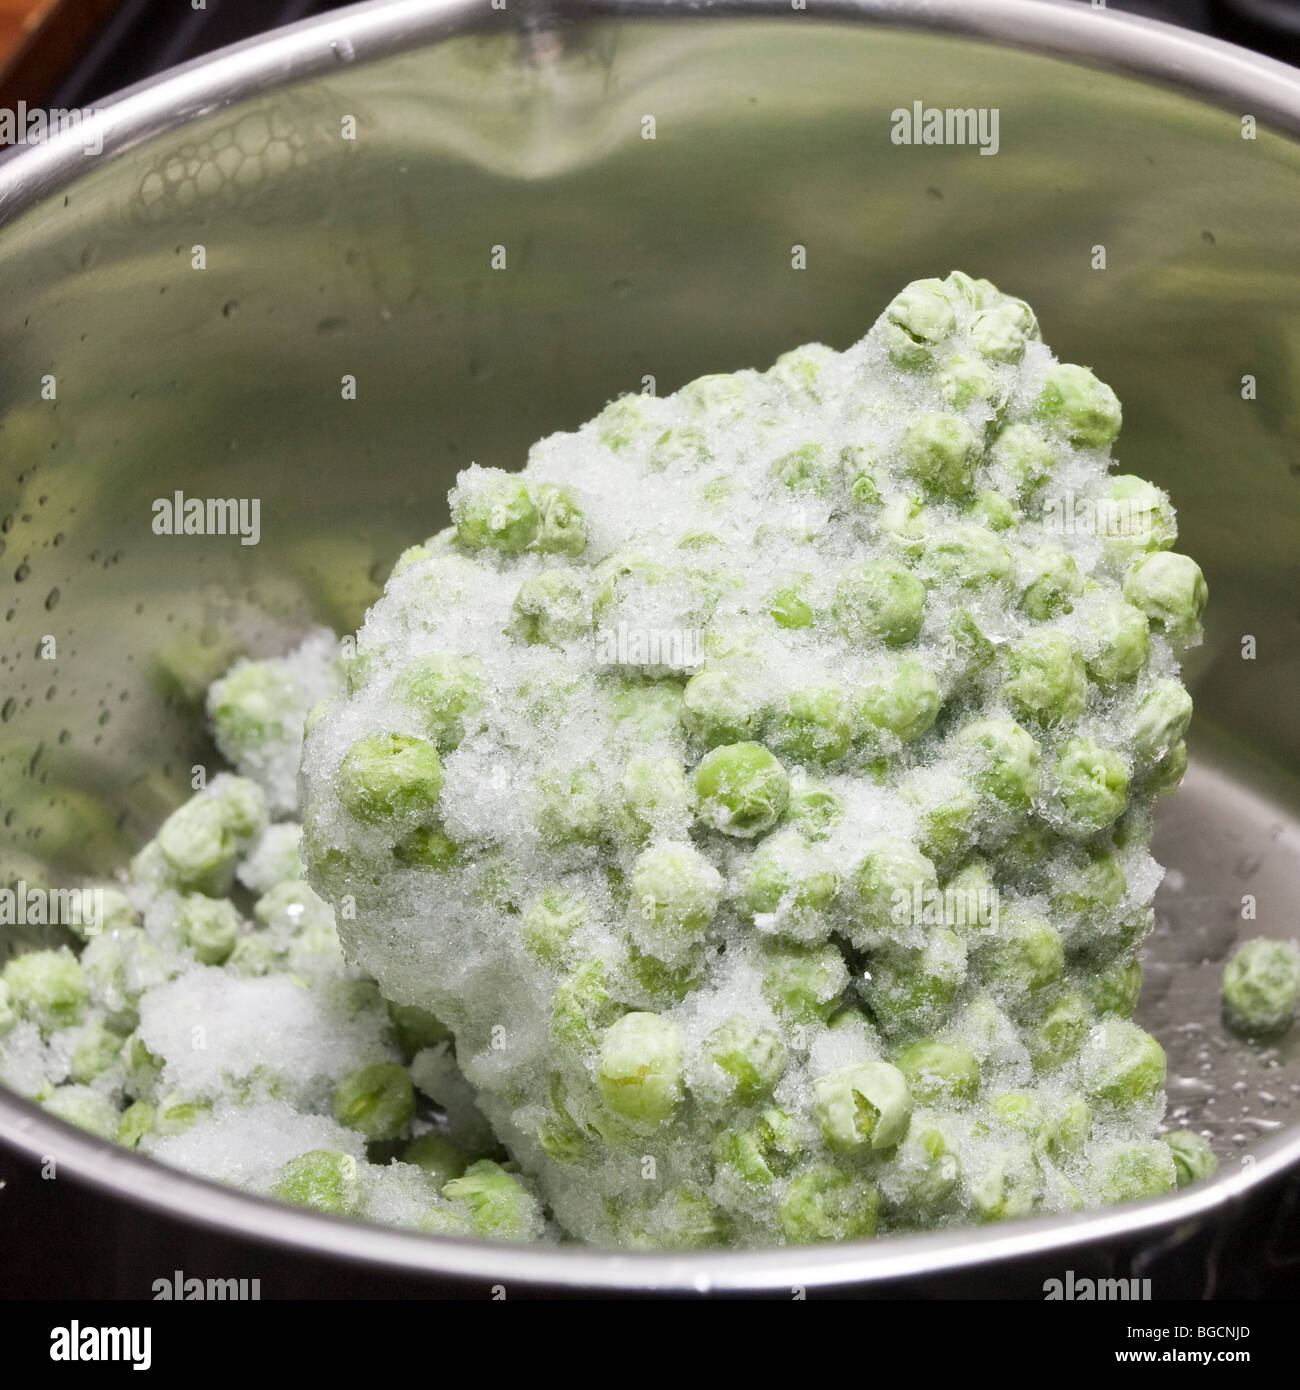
326	257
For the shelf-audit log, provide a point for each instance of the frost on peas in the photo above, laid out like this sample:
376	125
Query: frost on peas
562	527
209	927
257	702
654	799
997	511
924	1171
136	1121
893	878
646	714
909	988
178	1111
551	608
1261	987
740	1063
47	988
491	510
1118	643
788	887
800	370
826	1203
941	451
1022	960
639	1073
971	557
863	1106
813	724
1021	460
1008	1185
997	334
719	707
1055	1036
1093	784
722	396
1171	590
416	1028
947	812
323	1180
1193	1157
96	1049
964	380
447	692
788	606
859	465
1121	1064
436	1156
803	983
813	808
1135	516
378	1101
1127	1172
1045	678
879	601
762	1151
86	1108
918	319
1093	883
1162	720
1053	585
938	1071
681	446
1003	760
1165	777
1083	408
741	789
1115	989
903	700
196	846
390	778
551	922
118	966
427	847
805	470
582	1006
674	893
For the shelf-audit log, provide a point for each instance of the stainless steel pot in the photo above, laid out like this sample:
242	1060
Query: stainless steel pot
326	256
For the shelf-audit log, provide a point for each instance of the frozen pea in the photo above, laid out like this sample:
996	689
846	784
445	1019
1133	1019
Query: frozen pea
244	805
1119	643
903	518
143	1069
996	333
964	380
1007	1185
654	799
1115	989
788	887
826	1203
1083	408
879	601
1057	1035
209	927
995	509
940	1071
858	468
416	1028
1193	1157
946	812
47	988
789	607
551	922
893	877
551	607
813	724
256	703
377	1101
1094	884
1022	460
491	510
863	1106
390	777
749	1060
1166	776
762	1151
1261	987
970	556
447	691
908	988
178	1111
917	319
639	1073
1171	590
681	446
86	1108
979	294
803	983
1135	516
1003	760
96	1049
924	1170
971	900
941	451
118	966
814	809
1022	1113
800	370
661	984
1069	1125
582	1005
409	558
674	894
1054	583
255	955
198	846
904	700
722	395
741	789
969	647
1023	959
569	806
1045	677
1121	1064
322	1179
137	1121
437	1156
1093	782
1129	1171
561	526
427	847
805	470
718	707
1162	720
293	904
645	714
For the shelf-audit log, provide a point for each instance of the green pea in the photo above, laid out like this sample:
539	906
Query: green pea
1115	989
198	846
1022	1113
717	707
1093	782
741	789
918	318
1069	1124
551	922
946	812
969	648
863	1106
210	927
674	893
427	847
582	1006
995	509
1165	777
903	517
1261	987
803	983
814	809
968	379
940	1071
788	606
800	370
176	1112
437	1156
377	1101
654	799
1003	760
1054	584
569	806
143	1070
639	1074
1023	959
813	724
879	601
85	1108
1135	516
243	803
1083	408
390	777
1171	590
1058	1034
923	1172
744	1063
47	988
760	1152
1121	1064
662	984
1045	677
416	1028
805	471
892	878
721	395
908	989
1193	1157
96	1049
682	446
1008	1185
942	452
971	556
137	1121
789	886
323	1180
1118	642
491	510
996	333
118	966
1093	884
1021	460
256	703
551	608
858	468
979	294
1129	1171
561	526
1162	720
255	955
826	1203
646	714
903	700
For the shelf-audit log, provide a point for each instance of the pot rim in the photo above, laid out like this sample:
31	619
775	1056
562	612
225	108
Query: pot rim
1206	68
